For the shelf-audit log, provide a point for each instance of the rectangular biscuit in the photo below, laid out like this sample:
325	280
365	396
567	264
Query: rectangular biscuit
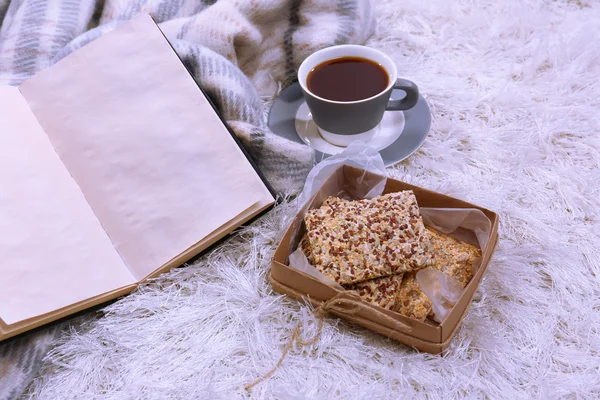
451	256
381	292
355	241
448	255
410	300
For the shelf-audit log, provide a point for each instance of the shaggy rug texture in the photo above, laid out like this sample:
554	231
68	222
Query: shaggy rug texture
514	88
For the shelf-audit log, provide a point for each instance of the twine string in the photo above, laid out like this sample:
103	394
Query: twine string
344	303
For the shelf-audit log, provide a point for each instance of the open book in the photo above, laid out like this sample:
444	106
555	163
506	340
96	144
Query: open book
115	168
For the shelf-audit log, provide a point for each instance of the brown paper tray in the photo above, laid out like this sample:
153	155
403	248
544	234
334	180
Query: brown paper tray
425	336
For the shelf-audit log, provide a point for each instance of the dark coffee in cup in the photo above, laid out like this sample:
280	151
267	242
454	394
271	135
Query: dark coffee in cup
348	79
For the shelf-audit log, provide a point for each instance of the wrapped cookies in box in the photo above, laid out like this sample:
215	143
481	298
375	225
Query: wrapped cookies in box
395	258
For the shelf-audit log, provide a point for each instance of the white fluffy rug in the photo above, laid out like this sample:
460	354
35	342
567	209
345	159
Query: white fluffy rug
515	93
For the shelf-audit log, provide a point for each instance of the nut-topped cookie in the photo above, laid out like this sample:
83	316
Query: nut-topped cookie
380	291
451	256
355	241
410	300
448	255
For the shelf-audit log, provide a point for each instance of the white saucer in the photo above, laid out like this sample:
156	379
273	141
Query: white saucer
387	132
407	130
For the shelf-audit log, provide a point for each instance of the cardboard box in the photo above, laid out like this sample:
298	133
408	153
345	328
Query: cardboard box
425	336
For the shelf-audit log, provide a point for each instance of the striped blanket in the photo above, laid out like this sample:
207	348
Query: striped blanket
241	52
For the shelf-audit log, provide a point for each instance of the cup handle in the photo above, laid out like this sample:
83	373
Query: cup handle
411	98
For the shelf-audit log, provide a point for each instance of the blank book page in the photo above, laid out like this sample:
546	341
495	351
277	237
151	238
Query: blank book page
153	159
53	250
